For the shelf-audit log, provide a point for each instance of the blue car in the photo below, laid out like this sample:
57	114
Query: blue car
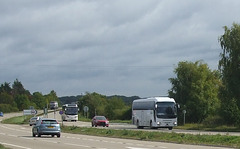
46	126
1	114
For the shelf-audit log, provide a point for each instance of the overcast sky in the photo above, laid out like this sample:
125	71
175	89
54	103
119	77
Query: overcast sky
112	47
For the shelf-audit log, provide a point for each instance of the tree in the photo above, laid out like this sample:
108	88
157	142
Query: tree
22	102
115	108
6	88
52	96
95	102
18	89
39	100
196	89
229	66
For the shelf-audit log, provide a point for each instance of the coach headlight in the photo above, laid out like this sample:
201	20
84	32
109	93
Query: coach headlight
159	123
175	123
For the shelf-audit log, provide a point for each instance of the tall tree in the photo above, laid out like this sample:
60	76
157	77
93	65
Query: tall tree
196	89
6	88
39	100
229	66
52	96
18	89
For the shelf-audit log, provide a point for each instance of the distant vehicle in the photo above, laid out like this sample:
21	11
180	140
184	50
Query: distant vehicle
53	105
33	121
46	126
100	121
1	114
155	112
70	112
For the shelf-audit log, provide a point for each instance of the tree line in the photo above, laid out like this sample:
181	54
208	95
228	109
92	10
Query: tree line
113	107
17	98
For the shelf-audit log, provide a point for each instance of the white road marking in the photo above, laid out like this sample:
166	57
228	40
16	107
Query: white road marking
77	145
14	145
135	148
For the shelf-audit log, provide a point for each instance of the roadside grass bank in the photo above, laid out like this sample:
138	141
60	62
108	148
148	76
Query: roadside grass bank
3	147
217	128
181	138
17	120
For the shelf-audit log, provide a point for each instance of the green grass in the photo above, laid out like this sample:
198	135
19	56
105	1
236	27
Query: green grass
218	128
215	140
3	147
17	120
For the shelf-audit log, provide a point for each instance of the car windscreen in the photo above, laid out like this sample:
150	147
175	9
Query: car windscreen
49	122
100	118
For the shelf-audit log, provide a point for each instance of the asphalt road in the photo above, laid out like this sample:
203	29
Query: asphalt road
20	137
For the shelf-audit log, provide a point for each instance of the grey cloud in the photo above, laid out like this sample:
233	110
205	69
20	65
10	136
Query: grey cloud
111	47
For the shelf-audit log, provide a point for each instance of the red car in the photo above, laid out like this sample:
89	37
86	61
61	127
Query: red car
100	121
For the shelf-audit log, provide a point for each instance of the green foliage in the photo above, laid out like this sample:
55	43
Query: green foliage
196	89
22	102
3	147
52	96
112	108
17	120
39	100
6	108
229	66
18	98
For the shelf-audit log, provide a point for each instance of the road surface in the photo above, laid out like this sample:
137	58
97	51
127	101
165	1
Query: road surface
20	137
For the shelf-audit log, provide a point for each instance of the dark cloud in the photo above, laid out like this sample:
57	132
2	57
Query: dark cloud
110	47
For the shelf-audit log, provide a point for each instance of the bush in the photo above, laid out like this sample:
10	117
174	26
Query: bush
6	108
212	121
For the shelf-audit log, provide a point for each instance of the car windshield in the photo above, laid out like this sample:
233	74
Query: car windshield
49	122
71	110
166	110
100	118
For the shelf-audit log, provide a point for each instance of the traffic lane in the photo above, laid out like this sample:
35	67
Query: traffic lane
133	127
20	136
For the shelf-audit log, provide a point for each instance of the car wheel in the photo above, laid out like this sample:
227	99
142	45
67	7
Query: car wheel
38	134
58	135
52	135
33	134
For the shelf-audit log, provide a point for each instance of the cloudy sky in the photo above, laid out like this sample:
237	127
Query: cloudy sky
112	47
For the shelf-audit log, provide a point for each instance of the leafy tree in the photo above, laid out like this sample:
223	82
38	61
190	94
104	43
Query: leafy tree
17	88
6	98
229	66
196	89
115	108
6	88
39	100
22	102
52	96
95	102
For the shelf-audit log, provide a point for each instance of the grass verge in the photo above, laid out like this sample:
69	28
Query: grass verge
17	120
213	140
218	128
3	147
